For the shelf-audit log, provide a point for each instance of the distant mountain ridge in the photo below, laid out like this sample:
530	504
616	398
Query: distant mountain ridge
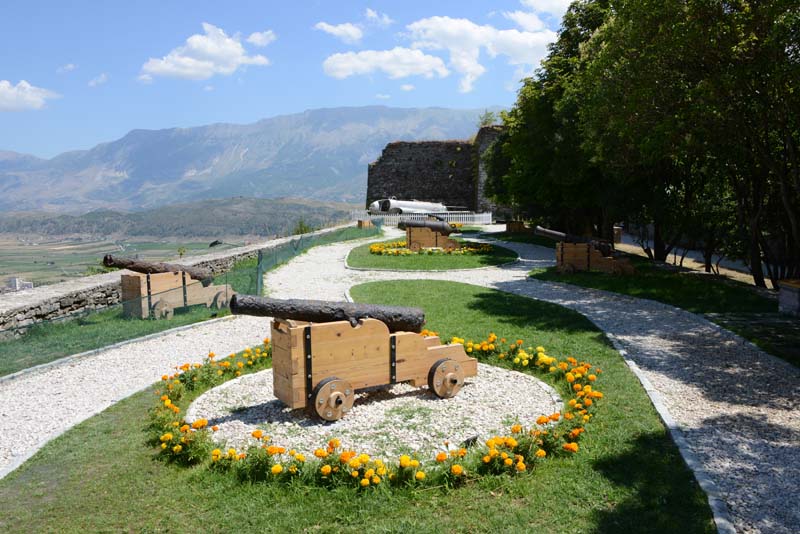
319	154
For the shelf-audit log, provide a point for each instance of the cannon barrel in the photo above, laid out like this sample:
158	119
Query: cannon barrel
397	318
559	236
146	267
442	227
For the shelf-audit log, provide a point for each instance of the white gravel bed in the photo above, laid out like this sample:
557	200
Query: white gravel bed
383	422
735	404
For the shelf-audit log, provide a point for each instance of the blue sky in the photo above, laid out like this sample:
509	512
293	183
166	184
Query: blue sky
74	74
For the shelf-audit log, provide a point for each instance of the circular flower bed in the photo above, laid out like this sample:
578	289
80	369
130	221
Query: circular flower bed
386	421
399	248
515	452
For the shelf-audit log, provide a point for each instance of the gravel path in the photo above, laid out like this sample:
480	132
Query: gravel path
734	403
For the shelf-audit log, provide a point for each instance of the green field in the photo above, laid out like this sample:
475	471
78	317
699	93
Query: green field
50	261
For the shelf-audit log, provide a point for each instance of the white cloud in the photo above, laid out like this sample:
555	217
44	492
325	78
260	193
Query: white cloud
381	19
98	80
208	88
262	38
464	40
347	32
23	96
407	87
527	21
69	67
556	8
396	63
202	57
381	96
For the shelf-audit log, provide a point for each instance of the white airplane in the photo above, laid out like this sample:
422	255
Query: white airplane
394	206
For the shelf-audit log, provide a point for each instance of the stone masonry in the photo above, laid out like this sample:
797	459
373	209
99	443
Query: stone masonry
450	172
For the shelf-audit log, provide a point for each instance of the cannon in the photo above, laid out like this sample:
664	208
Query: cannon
577	253
327	351
428	234
158	288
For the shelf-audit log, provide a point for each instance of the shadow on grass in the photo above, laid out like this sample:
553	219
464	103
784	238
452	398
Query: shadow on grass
648	468
523	312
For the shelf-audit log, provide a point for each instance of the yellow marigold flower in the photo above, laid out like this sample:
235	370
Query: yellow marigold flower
364	458
232	452
542	420
355	463
441	457
568	415
354	474
219	372
521	466
381	471
563	366
516	429
570	378
369	472
163	445
334	443
166	437
457	470
176	424
277	469
486	459
211	355
200	423
541	453
524	363
177	448
376	479
507	462
184	428
300	458
239	364
516	360
586	418
215	455
320	453
540	349
293	469
493	453
325	470
510	442
364	482
420	476
405	461
258	434
167	403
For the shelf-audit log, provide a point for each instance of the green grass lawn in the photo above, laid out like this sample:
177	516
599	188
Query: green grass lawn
361	257
628	477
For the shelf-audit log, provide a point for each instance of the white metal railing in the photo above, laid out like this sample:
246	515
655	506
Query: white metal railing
464	217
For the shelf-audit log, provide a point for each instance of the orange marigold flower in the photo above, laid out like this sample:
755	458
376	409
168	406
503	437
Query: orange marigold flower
555	416
457	470
200	423
516	429
441	457
542	420
521	466
215	428
571	447
258	434
541	453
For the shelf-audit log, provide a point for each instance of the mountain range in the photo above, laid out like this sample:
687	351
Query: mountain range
319	154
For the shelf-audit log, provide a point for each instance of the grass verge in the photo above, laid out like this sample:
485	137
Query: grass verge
628	477
360	257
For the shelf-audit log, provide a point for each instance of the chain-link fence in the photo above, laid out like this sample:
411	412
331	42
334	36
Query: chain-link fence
152	304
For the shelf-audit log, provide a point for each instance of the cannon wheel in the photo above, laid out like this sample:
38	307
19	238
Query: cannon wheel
446	378
332	398
220	300
162	311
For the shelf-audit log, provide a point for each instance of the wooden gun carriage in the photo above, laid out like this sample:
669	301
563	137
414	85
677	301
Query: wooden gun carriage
156	289
158	294
321	365
428	234
575	253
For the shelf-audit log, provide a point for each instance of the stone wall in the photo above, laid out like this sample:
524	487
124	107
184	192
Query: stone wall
450	172
44	303
434	171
